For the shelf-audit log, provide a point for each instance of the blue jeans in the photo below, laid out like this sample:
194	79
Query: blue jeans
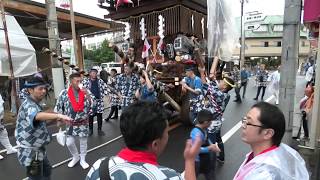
207	168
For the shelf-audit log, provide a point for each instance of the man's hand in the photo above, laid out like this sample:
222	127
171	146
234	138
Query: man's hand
214	148
184	85
110	44
144	72
191	150
63	119
119	96
183	89
212	75
170	85
85	90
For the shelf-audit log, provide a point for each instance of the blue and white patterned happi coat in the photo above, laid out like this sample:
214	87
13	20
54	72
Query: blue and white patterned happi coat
127	86
23	94
114	97
103	90
64	106
217	103
236	77
262	75
122	170
32	135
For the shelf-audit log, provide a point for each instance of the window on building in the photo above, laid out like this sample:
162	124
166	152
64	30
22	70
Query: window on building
262	28
278	28
279	44
266	44
250	27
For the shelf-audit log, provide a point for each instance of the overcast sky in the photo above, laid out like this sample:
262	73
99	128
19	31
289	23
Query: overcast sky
269	7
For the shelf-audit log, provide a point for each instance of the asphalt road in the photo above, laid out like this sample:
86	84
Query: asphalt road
172	157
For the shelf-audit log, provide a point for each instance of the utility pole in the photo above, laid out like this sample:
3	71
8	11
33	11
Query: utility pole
242	49
54	45
74	36
289	57
14	102
315	124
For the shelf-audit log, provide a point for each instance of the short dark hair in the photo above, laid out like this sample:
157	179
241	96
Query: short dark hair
189	68
141	123
229	87
272	117
203	116
73	75
114	70
130	65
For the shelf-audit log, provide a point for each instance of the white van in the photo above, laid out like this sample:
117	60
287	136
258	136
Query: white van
111	65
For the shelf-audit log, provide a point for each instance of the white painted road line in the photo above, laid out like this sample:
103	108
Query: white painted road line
53	135
270	98
90	150
106	143
233	130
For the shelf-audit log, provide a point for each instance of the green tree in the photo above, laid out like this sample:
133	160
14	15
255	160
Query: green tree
101	54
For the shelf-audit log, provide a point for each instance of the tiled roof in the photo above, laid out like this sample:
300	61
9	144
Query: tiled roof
270	21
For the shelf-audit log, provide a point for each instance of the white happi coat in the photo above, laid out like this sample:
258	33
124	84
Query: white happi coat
282	163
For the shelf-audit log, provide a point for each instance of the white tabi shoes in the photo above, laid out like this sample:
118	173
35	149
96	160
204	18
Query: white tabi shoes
74	161
83	162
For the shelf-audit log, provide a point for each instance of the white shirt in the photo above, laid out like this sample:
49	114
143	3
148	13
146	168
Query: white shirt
309	73
274	80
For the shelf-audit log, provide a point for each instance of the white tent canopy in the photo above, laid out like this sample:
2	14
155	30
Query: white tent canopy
22	52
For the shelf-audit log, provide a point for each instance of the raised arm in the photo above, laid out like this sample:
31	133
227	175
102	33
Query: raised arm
213	68
148	82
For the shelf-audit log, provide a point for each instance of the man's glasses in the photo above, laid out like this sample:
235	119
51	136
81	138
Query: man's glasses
245	123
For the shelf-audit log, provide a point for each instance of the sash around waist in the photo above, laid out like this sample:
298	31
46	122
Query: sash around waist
78	122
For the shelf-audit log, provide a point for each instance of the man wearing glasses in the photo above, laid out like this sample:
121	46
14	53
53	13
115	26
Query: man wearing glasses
263	128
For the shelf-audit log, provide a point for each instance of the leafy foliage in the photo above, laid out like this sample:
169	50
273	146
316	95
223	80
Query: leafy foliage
101	54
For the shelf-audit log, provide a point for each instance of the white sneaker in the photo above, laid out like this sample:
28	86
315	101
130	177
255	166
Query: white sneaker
74	161
11	151
1	157
84	164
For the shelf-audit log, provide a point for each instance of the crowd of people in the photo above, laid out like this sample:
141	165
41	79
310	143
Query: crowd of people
146	137
263	79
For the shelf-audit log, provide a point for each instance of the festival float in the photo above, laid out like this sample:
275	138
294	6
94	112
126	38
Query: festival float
169	35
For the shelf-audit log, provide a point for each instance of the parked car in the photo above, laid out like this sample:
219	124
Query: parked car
111	65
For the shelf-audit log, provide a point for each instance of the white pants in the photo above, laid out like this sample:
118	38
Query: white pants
276	96
4	140
73	148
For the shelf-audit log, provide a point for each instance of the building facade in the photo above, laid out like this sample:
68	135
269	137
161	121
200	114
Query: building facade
263	40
